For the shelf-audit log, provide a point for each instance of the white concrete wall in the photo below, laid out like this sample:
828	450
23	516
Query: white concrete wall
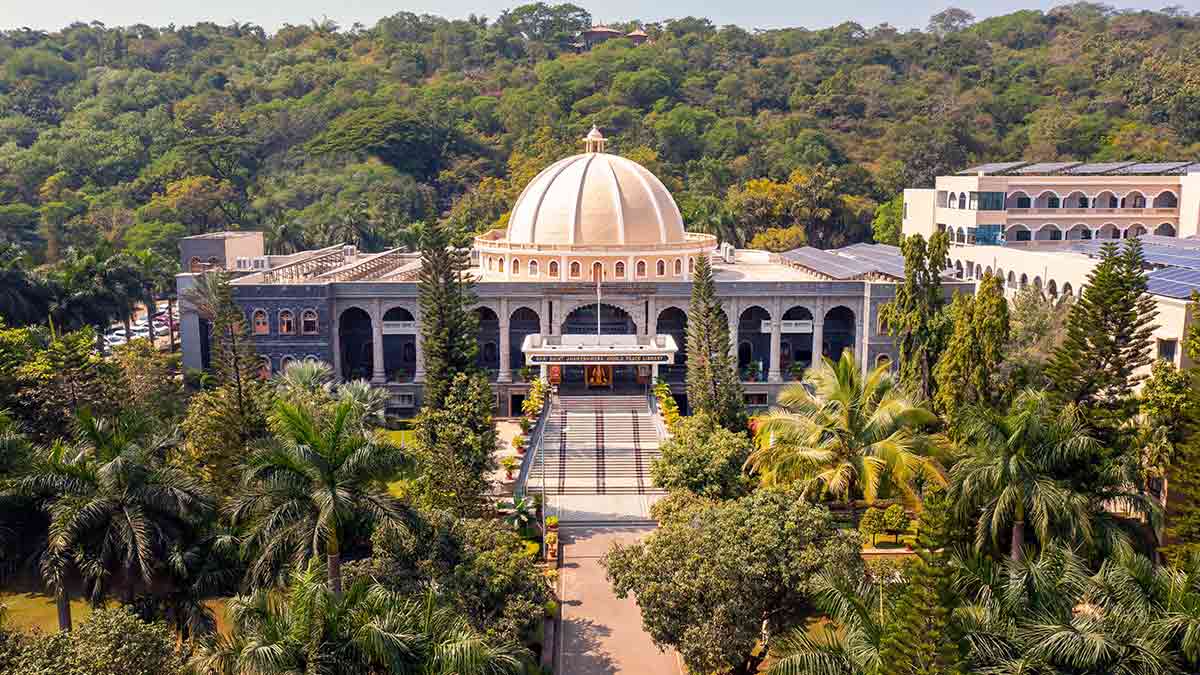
1189	205
920	205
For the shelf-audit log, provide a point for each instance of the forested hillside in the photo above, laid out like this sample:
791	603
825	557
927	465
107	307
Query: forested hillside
128	138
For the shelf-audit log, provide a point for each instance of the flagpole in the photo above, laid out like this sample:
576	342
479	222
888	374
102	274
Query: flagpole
597	306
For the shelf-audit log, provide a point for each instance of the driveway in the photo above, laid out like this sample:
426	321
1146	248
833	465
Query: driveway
602	634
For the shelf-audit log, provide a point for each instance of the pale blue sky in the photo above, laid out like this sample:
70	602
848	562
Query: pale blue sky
756	14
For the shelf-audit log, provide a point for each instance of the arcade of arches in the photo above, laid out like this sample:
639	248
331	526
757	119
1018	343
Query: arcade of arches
767	350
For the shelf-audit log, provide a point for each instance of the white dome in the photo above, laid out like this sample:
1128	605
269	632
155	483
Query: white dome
595	199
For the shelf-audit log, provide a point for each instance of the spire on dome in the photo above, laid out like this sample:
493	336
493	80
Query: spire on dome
594	141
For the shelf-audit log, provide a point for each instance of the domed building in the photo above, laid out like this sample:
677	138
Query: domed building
588	286
593	216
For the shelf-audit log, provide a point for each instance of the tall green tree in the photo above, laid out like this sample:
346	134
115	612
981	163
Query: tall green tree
965	372
920	638
750	567
308	628
915	317
454	447
1109	339
449	328
712	381
845	435
114	507
311	489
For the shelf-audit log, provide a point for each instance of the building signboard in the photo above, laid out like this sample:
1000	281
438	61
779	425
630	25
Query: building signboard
598	358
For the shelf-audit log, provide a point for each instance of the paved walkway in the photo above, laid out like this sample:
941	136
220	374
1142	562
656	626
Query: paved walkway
602	634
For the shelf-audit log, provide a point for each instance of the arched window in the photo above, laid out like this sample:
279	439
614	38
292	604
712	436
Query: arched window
500	265
261	325
641	268
619	270
953	200
597	272
533	268
285	362
691	265
661	268
264	368
287	323
575	269
516	267
554	268
962	200
678	267
491	263
309	325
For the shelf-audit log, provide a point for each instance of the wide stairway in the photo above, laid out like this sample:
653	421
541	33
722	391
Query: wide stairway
596	445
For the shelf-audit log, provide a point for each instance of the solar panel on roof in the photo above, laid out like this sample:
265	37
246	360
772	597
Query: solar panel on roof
1165	256
829	264
993	167
1152	168
1173	242
1045	167
1093	169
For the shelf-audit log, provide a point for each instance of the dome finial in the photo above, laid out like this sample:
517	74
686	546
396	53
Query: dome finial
594	141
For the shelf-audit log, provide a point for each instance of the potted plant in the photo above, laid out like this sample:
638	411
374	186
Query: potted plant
509	464
525	373
551	523
552	545
518	444
520	512
797	371
526	424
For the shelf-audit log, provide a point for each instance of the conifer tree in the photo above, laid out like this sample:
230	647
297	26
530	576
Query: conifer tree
449	328
712	382
963	374
235	362
1109	337
915	317
920	638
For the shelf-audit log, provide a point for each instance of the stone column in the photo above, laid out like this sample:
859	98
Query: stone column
335	342
731	314
505	374
773	374
818	339
654	372
378	376
651	315
544	317
419	372
863	340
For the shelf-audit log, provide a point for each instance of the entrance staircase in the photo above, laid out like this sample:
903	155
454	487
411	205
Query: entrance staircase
596	445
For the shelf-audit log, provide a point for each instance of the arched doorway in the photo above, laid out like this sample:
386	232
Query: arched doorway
355	337
613	321
755	363
839	332
523	322
796	342
673	321
489	340
399	345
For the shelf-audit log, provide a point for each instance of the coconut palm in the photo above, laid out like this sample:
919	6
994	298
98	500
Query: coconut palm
849	644
844	434
1015	475
1052	614
114	506
303	492
309	629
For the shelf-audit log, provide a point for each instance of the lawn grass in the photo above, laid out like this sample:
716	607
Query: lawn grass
401	437
36	611
29	611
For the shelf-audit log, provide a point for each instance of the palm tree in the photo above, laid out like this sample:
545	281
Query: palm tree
850	643
305	379
157	273
302	493
1010	476
309	628
368	403
115	507
844	434
1051	613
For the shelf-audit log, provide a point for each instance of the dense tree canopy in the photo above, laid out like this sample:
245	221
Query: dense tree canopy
135	135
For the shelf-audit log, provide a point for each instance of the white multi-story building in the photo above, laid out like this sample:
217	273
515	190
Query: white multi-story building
1044	224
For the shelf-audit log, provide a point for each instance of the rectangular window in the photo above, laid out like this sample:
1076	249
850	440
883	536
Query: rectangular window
973	201
989	235
941	198
1166	350
987	201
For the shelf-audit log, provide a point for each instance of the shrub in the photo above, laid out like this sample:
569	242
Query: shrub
535	399
110	642
872	523
895	520
551	522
